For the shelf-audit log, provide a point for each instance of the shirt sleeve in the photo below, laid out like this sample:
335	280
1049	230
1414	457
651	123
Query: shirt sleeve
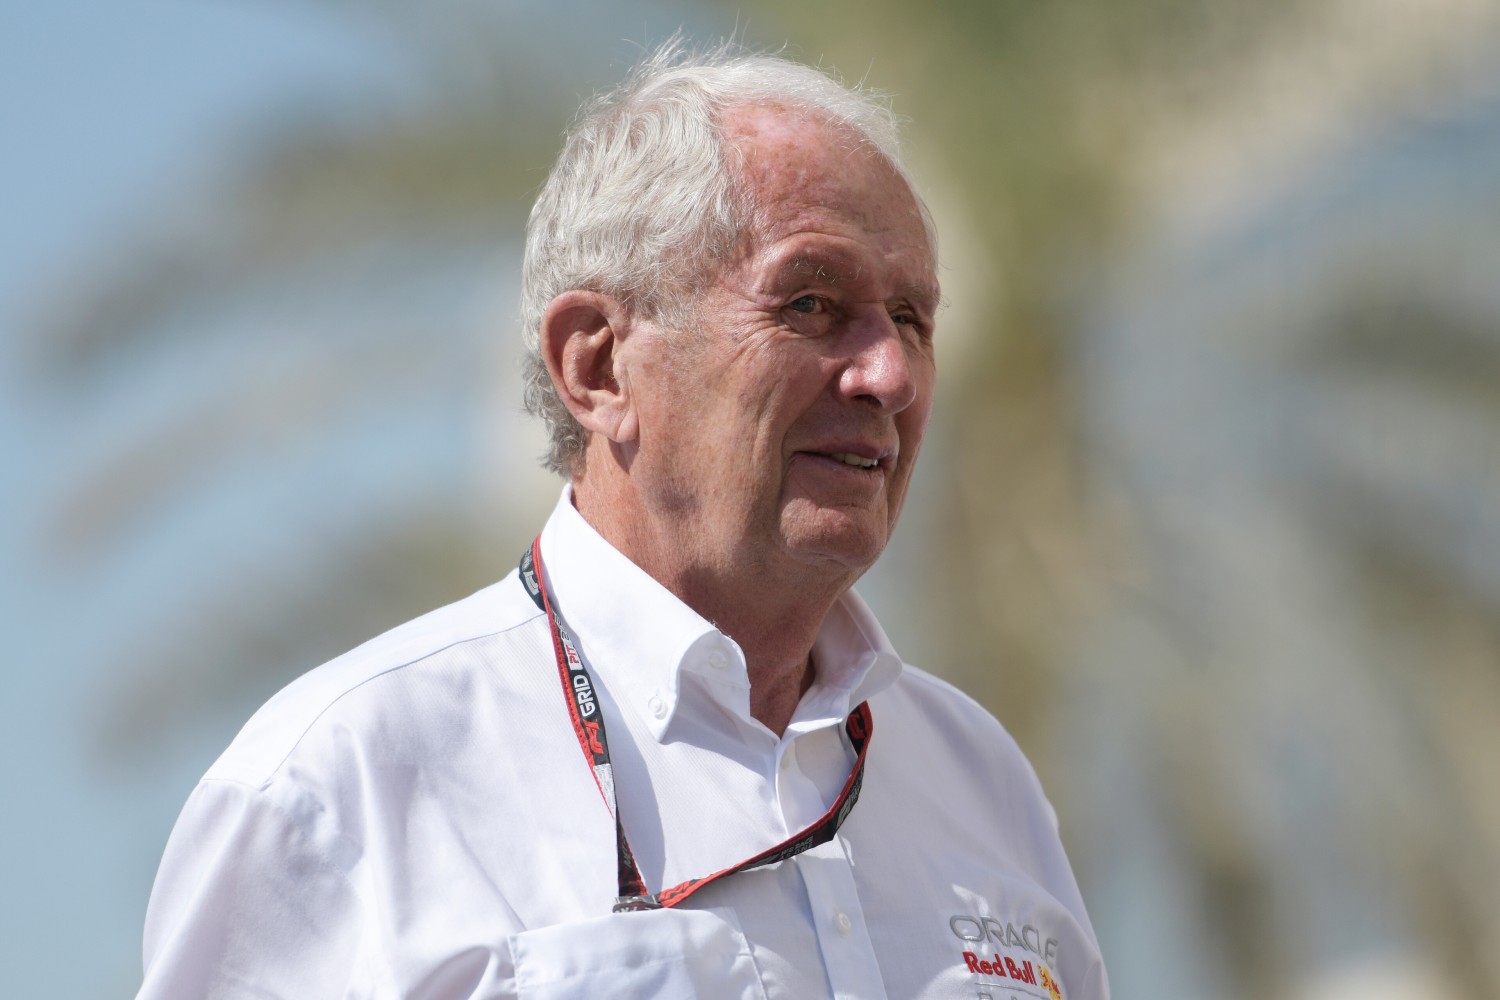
247	905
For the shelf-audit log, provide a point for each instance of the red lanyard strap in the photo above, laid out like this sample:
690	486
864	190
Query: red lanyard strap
588	726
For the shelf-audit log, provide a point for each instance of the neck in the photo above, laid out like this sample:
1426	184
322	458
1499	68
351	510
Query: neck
773	616
777	642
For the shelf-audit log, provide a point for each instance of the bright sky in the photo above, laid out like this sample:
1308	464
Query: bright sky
107	110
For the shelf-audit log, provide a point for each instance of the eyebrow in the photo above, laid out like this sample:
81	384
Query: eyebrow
837	267
824	266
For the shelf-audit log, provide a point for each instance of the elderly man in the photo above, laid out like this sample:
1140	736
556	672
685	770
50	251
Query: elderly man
674	754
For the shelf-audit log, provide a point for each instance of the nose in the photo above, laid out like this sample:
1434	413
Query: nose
879	368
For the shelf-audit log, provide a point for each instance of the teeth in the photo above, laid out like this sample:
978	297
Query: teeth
849	458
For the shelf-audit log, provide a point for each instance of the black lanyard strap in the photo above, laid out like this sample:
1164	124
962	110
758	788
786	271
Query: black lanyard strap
588	726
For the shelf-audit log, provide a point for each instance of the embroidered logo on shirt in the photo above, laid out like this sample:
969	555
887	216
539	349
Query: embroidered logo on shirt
997	954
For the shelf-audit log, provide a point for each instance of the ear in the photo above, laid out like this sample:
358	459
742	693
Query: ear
581	336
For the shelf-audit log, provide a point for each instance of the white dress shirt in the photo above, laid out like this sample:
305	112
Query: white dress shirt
416	819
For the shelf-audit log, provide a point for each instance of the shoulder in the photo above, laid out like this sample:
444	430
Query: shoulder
378	688
939	729
942	704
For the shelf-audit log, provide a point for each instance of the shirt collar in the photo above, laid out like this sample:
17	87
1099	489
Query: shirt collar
657	653
854	659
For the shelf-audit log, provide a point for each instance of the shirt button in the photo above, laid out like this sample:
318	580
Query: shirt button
842	922
657	706
718	660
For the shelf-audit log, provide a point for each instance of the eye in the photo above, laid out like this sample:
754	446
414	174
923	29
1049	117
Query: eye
808	304
911	319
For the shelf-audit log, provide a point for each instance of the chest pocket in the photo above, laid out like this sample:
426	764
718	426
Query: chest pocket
666	954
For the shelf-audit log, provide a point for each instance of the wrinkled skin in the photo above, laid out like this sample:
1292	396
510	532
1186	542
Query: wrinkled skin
815	342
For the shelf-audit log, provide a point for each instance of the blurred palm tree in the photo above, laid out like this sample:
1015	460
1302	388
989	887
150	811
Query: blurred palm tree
287	392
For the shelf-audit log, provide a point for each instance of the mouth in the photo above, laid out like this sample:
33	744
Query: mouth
851	459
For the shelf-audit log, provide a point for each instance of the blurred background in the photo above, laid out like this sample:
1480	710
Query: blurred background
1209	515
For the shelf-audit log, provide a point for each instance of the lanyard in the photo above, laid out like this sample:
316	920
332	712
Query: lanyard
588	727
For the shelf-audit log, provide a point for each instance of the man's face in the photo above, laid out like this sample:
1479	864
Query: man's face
780	426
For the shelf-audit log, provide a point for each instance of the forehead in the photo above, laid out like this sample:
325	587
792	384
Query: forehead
818	189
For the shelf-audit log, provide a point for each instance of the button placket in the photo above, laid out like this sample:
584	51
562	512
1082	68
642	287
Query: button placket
800	801
843	938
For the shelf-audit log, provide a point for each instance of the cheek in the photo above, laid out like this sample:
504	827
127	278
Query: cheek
771	404
921	407
911	423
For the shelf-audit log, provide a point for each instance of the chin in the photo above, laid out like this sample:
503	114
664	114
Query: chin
833	537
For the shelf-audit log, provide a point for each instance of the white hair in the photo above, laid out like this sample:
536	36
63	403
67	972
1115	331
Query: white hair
643	204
